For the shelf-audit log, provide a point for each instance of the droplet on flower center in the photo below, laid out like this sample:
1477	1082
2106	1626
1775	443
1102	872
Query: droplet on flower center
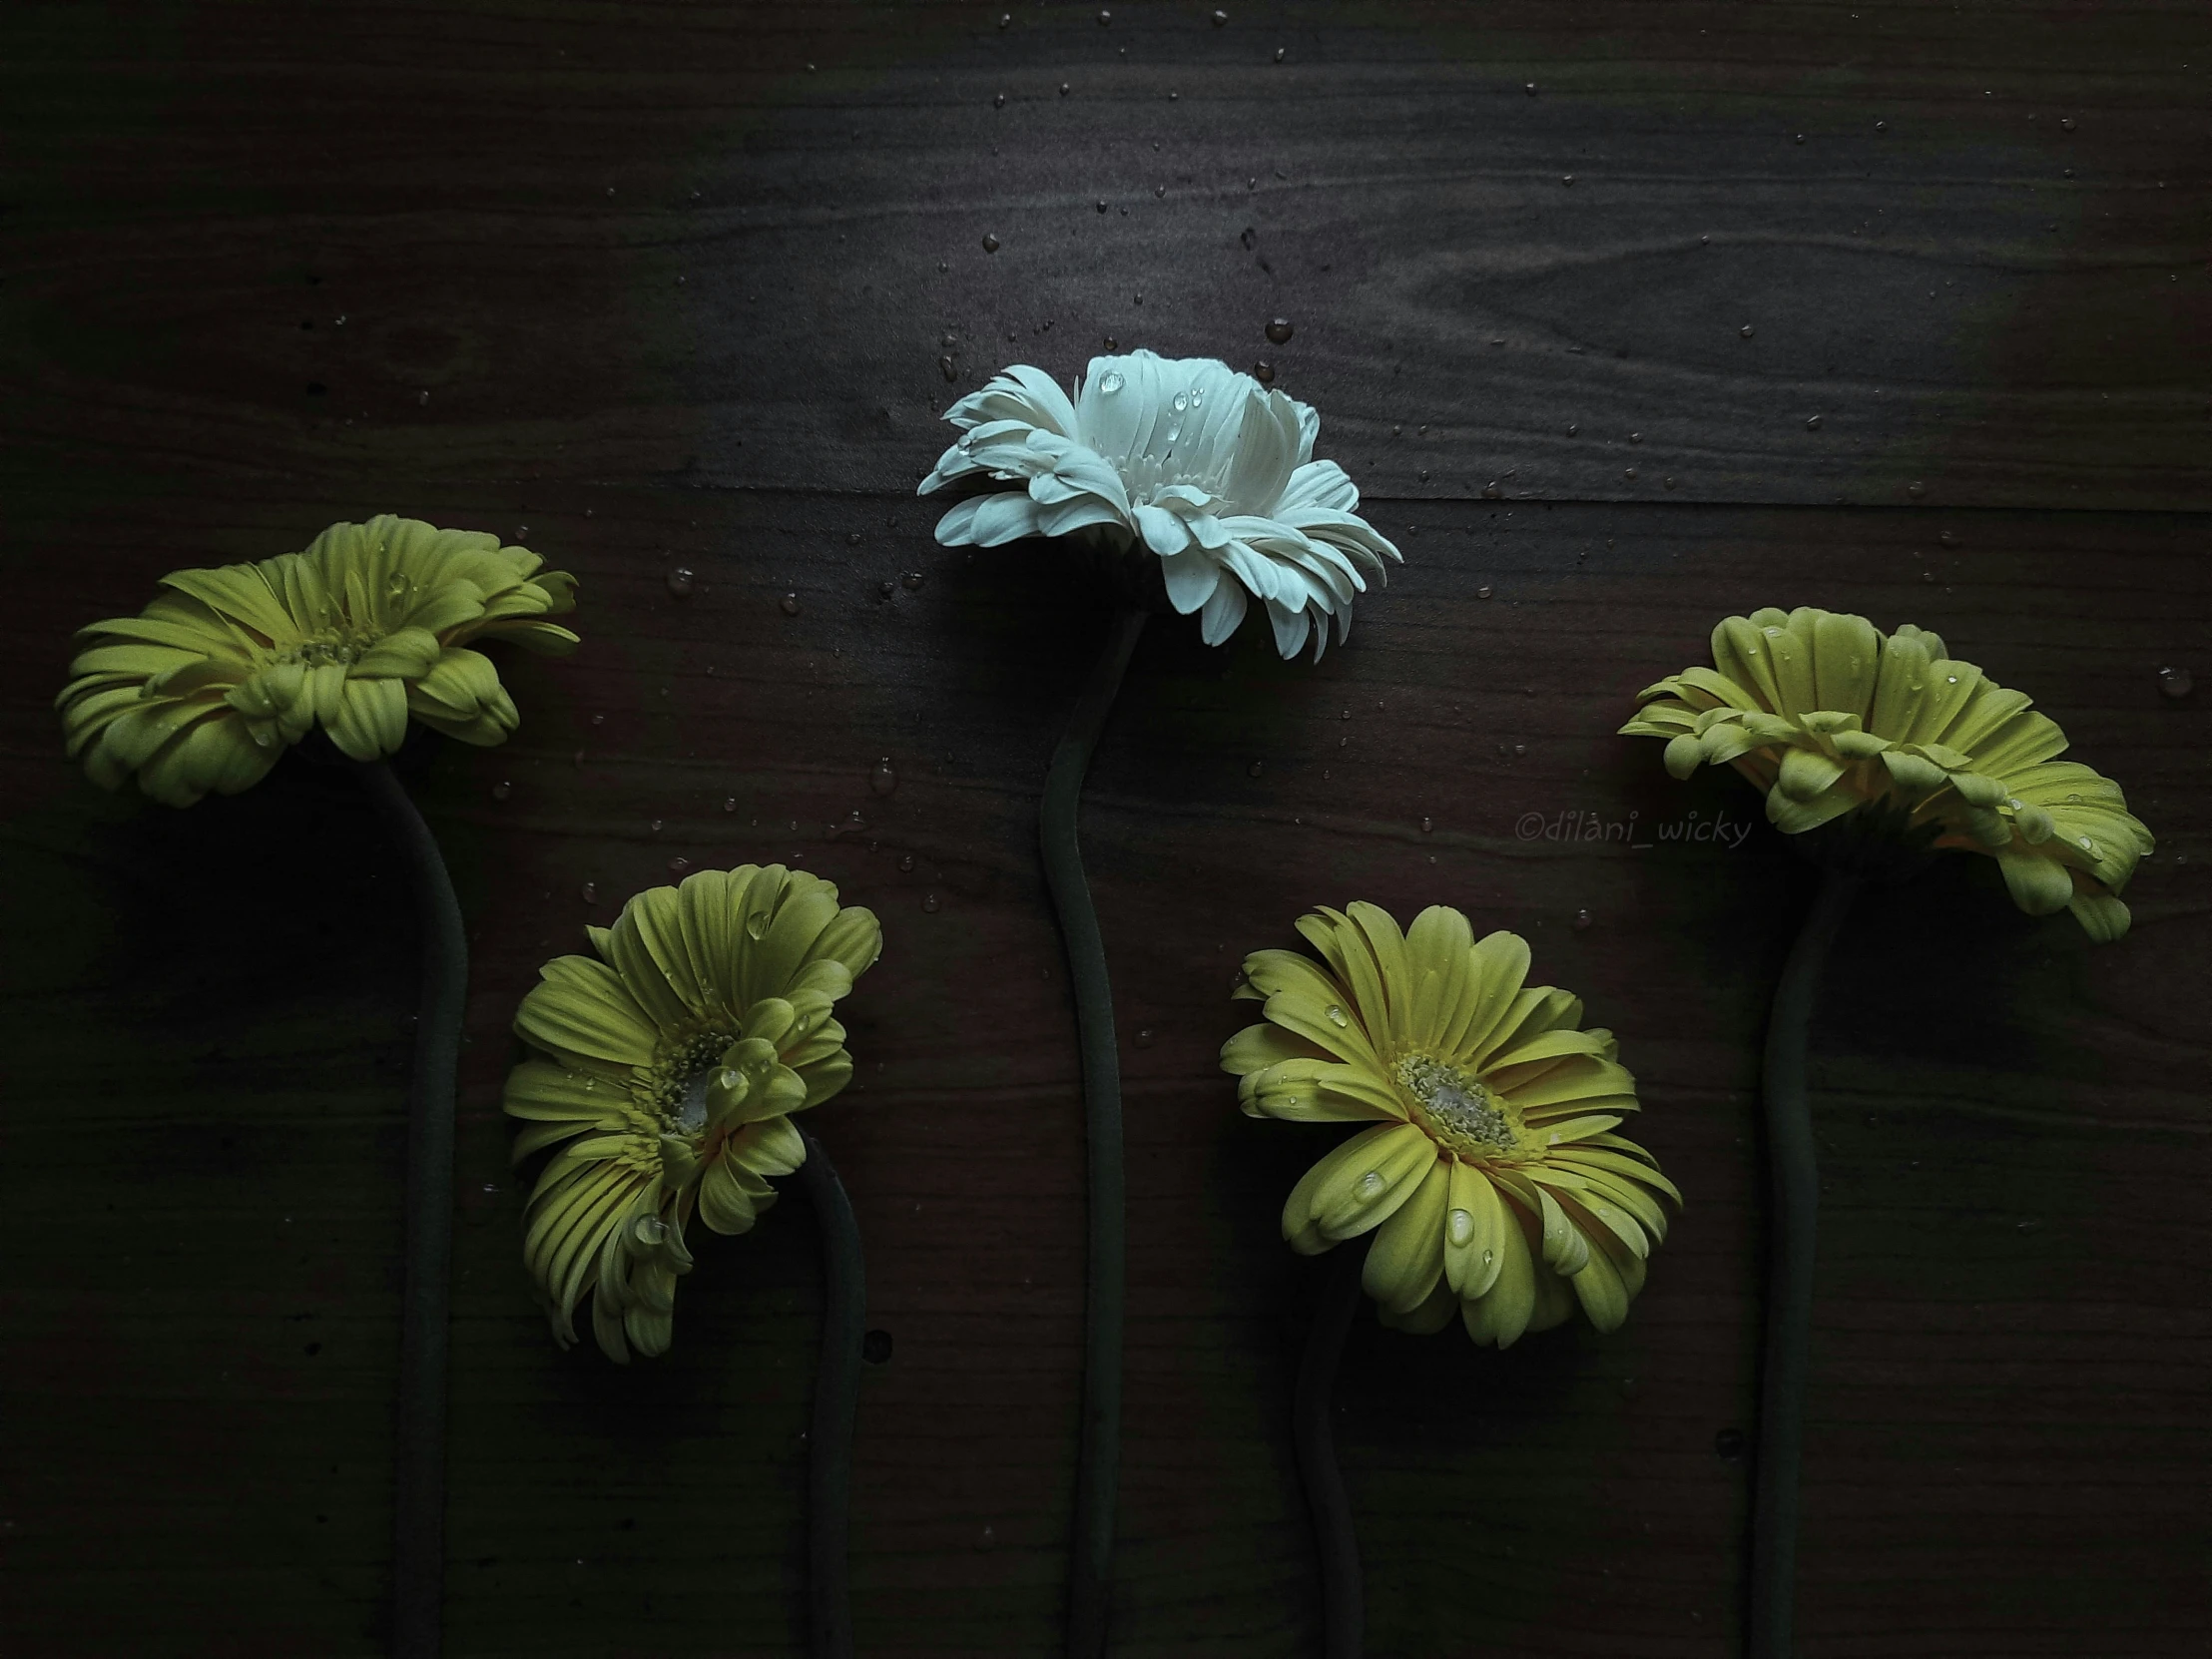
1457	1109
1459	1228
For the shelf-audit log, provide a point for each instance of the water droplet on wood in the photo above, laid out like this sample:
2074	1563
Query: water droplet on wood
929	904
503	790
2176	682
990	243
680	582
884	779
789	604
1279	329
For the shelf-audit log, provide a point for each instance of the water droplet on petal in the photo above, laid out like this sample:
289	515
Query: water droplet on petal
756	923
1459	1227
1370	1184
1279	330
1110	383
1489	1255
1336	1016
680	581
789	604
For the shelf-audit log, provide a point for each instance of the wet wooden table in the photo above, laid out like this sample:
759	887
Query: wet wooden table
1623	316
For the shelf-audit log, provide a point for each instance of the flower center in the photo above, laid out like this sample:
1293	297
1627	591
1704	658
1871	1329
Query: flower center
675	1089
1456	1110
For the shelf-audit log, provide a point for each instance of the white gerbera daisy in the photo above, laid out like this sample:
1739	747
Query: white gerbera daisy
1185	456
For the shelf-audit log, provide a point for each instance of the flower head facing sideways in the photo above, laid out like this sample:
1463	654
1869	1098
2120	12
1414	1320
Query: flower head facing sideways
1487	1168
207	686
1182	458
1831	717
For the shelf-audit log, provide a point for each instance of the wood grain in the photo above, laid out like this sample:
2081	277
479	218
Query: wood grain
205	1011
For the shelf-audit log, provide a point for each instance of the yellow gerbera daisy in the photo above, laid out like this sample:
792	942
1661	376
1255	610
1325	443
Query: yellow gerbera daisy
674	1061
1491	1173
207	686
1828	716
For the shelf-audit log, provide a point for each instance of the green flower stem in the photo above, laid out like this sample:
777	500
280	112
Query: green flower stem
1794	1188
1091	1557
1343	1598
836	1405
418	1516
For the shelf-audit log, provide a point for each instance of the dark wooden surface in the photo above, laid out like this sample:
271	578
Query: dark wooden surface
675	299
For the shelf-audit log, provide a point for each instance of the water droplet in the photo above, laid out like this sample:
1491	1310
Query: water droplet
789	604
1425	475
1249	236
729	803
756	923
1102	204
1063	89
1489	1255
929	904
2089	845
1180	401
1279	329
422	398
1198	396
503	790
884	777
678	864
905	861
1812	423
2176	682
1947	537
1336	1016
988	1537
990	243
1567	180
1263	372
948	368
655	826
1105	18
1279	54
1915	488
1520	748
1573	430
1370	1184
998	100
1745	331
912	581
1144	1037
1459	1228
1581	918
1881	126
1530	89
590	892
1427	826
1800	137
680	581
1110	383
1484	592
1254	769
2066	124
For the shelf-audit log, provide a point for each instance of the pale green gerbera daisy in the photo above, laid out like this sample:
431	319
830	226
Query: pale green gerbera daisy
207	686
673	1061
1831	717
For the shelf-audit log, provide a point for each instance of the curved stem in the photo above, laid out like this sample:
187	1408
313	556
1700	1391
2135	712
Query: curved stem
836	1405
418	1516
1343	1599
1794	1196
1090	1564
